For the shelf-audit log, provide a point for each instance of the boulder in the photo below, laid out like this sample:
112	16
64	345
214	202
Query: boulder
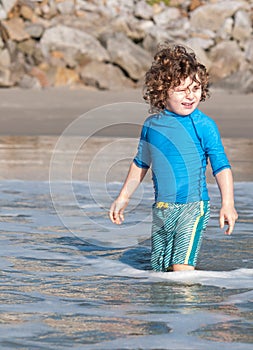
212	16
119	7
225	31
40	75
242	26
133	59
223	62
249	51
15	29
143	10
200	52
27	12
28	82
35	30
180	30
66	7
168	18
239	81
5	77
65	77
130	26
200	43
5	58
66	38
154	37
84	5
7	6
104	76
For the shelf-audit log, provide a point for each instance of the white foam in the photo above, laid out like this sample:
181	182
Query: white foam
240	278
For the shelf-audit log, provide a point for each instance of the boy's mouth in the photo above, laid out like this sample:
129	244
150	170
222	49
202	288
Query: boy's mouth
188	104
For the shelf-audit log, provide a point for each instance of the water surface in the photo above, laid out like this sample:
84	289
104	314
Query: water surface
77	288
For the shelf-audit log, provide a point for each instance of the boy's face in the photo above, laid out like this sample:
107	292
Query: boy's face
184	99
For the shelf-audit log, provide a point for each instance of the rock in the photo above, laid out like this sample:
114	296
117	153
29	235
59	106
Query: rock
5	77
8	5
66	7
65	77
200	53
65	38
119	7
195	4
86	6
184	4
242	27
15	29
27	12
40	75
18	65
5	58
130	26
241	81
1	43
155	36
129	56
28	82
225	31
104	76
247	82
27	47
35	30
204	34
249	51
48	10
143	10
212	16
223	62
168	18
200	43
180	30
3	14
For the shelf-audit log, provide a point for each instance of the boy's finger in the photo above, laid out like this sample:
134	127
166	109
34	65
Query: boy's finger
121	215
230	228
222	221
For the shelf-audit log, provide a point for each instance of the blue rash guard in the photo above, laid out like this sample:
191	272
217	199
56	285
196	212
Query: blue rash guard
177	148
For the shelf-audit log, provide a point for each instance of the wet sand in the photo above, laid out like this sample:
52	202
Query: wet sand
33	120
50	111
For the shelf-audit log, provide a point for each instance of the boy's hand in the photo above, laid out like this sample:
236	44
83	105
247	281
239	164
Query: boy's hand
117	210
228	216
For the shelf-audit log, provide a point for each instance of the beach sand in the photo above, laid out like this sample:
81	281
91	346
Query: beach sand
33	120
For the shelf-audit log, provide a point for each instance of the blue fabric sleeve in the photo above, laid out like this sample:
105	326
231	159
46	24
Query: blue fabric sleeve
214	148
142	158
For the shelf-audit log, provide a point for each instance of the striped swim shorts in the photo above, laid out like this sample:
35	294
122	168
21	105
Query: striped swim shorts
177	231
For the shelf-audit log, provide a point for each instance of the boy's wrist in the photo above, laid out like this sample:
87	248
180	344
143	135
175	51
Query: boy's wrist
226	202
123	196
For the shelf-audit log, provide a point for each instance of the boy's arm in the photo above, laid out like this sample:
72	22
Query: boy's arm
134	178
228	214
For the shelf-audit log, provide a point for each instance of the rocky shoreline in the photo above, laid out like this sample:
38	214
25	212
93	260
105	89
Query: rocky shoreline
109	44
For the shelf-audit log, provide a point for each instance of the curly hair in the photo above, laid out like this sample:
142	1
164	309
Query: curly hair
172	64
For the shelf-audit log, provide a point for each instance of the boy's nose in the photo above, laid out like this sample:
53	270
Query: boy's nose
189	93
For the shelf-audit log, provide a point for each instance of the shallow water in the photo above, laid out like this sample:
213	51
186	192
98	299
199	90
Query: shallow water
88	284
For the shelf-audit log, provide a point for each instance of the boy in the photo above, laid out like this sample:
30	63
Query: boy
177	142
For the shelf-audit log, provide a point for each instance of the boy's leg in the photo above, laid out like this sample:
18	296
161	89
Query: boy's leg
191	225
161	239
182	267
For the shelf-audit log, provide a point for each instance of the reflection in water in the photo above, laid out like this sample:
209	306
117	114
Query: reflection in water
28	158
